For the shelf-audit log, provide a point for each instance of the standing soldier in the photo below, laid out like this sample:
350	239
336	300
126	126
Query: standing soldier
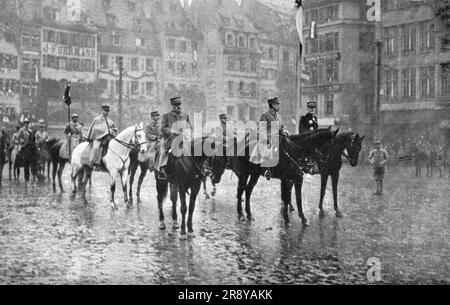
101	131
378	158
264	152
41	134
74	134
24	134
309	121
225	131
153	135
173	124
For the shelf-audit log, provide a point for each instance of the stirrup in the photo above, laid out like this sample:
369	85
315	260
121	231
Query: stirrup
268	174
162	176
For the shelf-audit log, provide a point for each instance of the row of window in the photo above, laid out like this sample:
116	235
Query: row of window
129	63
408	83
242	89
69	64
31	40
241	63
323	43
13	86
8	61
182	68
270	53
321	15
391	5
69	39
268	74
328	104
406	37
130	88
323	73
182	46
240	41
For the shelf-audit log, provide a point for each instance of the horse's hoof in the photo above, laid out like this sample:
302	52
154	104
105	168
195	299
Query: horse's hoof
287	224
339	214
139	200
291	209
175	225
321	213
241	218
191	234
114	207
162	226
183	236
250	218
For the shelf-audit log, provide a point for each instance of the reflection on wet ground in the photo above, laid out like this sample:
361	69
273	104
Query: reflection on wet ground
47	238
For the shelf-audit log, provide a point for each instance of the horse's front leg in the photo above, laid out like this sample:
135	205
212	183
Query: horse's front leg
195	188
298	196
286	188
87	172
182	192
144	169
323	189
242	183
60	172
161	190
124	180
112	185
48	168
132	172
174	199
248	194
334	182
54	170
205	190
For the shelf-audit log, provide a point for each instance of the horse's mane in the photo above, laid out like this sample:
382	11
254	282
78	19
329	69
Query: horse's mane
121	135
313	138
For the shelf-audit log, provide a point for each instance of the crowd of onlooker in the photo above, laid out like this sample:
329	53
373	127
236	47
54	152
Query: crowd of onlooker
421	151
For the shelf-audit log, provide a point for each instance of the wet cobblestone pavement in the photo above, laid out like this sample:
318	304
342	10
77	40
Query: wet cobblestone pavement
46	238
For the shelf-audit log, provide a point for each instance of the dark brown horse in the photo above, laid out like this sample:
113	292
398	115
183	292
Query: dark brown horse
185	174
293	151
4	146
348	145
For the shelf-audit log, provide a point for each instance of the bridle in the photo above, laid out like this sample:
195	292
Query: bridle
350	159
129	145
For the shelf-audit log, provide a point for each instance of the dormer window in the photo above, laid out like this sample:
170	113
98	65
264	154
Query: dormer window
241	41
252	42
230	39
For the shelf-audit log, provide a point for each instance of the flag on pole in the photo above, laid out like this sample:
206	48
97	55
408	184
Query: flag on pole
299	23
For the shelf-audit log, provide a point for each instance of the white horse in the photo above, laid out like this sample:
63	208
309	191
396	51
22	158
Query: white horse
116	161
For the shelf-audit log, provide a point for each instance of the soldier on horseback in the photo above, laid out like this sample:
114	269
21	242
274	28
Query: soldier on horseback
41	134
171	127
153	135
102	130
272	118
73	133
24	134
309	121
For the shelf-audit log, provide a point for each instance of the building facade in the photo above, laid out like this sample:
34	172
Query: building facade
416	76
339	59
232	63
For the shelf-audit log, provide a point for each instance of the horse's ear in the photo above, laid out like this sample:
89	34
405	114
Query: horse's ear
336	132
362	138
330	128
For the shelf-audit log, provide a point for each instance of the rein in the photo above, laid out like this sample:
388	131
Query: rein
128	146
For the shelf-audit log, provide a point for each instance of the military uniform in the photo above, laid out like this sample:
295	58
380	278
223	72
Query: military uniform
266	150
41	134
101	128
153	135
74	133
308	123
24	136
378	159
173	124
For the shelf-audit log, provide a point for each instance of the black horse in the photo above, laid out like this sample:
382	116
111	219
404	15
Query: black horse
4	145
293	151
347	141
28	158
184	173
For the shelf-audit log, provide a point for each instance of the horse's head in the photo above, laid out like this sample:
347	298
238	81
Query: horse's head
139	138
353	146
